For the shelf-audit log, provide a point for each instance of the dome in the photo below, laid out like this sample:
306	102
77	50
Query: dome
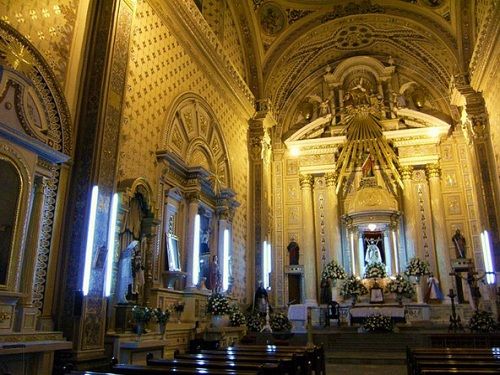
372	198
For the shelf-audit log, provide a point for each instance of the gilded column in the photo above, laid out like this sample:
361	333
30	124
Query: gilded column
150	230
193	205
334	240
409	212
309	246
438	224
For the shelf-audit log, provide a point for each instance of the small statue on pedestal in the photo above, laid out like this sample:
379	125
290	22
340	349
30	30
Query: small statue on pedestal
459	242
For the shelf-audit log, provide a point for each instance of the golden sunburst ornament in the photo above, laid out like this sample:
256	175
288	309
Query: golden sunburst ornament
16	55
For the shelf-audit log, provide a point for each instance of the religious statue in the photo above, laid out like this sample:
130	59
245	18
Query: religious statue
214	274
125	279
324	108
293	252
137	271
433	291
373	252
261	300
459	242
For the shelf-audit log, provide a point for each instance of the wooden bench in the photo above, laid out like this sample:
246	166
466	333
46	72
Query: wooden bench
316	354
264	368
421	361
288	364
162	370
299	359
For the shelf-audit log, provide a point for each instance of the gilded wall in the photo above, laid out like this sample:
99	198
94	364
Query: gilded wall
160	70
48	25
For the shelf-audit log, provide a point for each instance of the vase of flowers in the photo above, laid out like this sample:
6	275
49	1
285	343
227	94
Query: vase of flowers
141	316
237	319
161	317
218	307
353	288
416	268
254	322
375	270
401	287
333	271
378	323
482	321
178	308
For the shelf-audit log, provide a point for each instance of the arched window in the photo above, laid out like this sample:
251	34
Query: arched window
10	190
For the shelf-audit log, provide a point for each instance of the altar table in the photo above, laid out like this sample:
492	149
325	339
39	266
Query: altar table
360	311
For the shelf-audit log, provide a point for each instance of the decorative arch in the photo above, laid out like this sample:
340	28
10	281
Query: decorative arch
10	155
192	132
38	100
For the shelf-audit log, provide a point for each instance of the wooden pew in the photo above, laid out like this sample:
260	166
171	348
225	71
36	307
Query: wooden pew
162	370
288	364
264	368
456	359
315	353
299	358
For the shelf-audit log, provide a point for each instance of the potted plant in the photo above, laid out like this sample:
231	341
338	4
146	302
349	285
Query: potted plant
218	307
353	288
378	323
162	317
254	322
141	316
375	270
416	268
401	287
482	321
334	272
237	319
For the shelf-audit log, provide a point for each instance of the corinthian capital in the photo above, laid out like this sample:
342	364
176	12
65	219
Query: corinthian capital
331	179
406	172
432	171
306	181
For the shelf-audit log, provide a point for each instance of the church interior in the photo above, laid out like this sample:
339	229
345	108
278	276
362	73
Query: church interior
278	154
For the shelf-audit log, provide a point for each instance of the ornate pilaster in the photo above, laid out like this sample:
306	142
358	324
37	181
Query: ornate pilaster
409	210
150	230
476	128
433	172
96	155
332	214
193	205
308	235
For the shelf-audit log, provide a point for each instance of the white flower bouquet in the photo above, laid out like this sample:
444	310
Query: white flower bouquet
417	267
333	271
378	323
352	287
218	304
237	318
375	270
280	323
482	321
401	286
254	322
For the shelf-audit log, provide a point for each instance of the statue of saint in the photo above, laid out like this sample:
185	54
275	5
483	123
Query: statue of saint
215	276
261	299
293	252
137	271
459	242
373	252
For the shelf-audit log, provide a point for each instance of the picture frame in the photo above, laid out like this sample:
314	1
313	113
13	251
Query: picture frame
173	256
376	295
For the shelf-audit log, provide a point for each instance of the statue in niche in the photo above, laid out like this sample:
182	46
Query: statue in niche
138	268
459	242
215	275
125	279
293	252
373	252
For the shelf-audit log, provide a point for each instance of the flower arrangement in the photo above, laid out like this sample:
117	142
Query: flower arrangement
333	271
280	323
218	304
482	321
254	322
178	307
417	267
237	319
352	287
141	314
378	323
375	270
401	286
162	316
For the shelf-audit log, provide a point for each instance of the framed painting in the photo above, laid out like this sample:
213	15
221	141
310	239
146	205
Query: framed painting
376	295
173	256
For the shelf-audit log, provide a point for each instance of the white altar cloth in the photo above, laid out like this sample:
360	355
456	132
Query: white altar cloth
365	310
